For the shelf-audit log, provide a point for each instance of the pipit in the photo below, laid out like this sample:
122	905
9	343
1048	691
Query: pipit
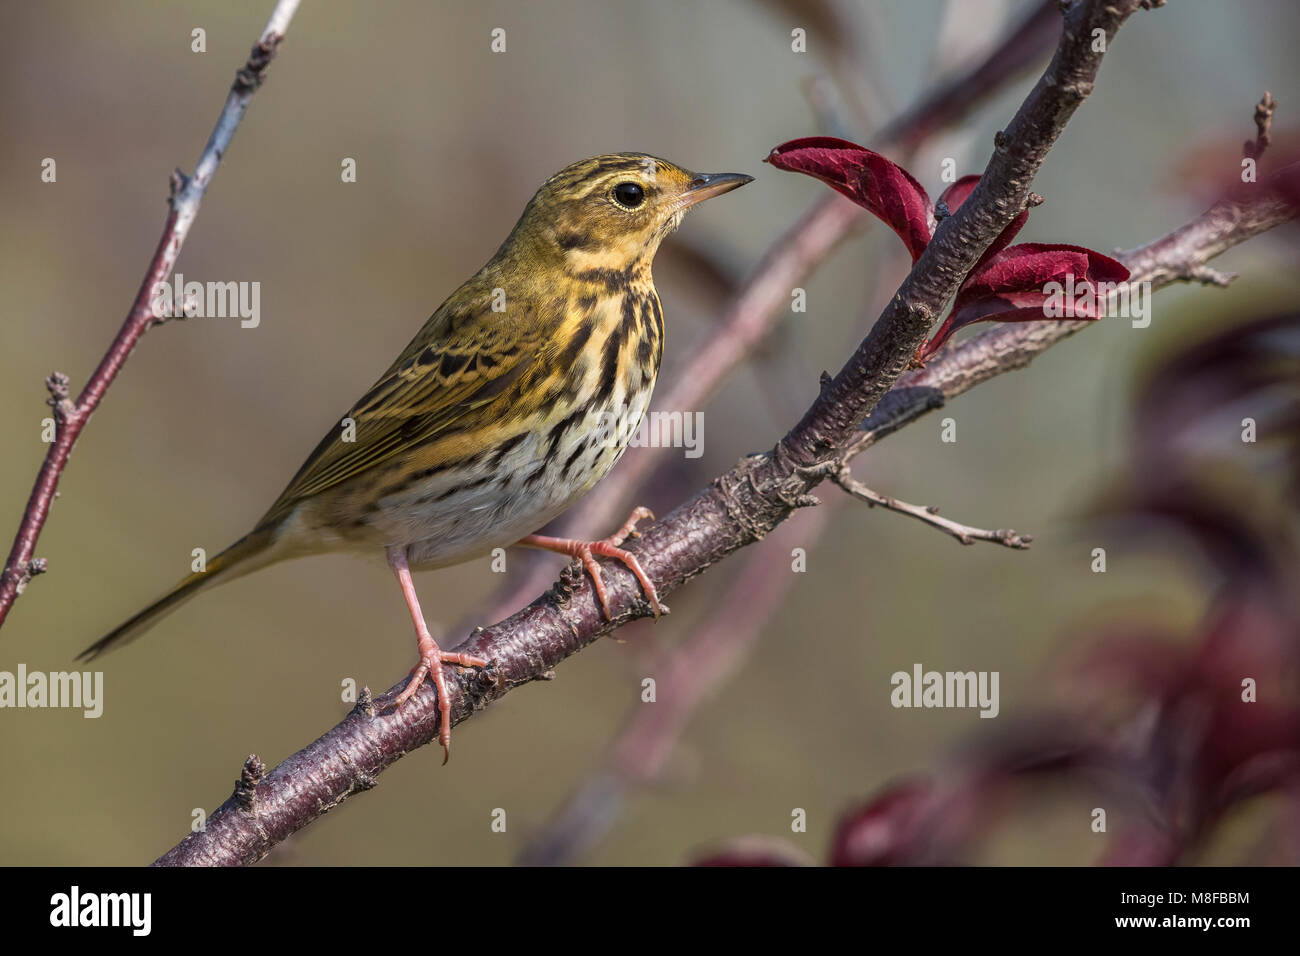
495	418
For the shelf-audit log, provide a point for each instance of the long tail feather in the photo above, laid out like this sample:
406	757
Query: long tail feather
247	554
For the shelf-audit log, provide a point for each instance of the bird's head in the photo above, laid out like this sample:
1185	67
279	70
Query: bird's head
612	211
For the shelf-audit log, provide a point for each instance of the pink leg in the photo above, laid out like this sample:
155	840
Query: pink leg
585	551
432	657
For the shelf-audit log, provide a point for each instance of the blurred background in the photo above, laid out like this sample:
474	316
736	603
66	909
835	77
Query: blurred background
209	420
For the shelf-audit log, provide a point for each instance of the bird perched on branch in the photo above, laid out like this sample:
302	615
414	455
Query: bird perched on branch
495	418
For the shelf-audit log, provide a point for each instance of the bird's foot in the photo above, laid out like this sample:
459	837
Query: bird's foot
586	552
432	657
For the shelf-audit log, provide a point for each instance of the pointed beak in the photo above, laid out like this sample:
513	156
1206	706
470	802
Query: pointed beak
707	185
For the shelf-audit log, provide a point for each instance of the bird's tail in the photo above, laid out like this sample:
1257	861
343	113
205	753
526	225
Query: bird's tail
249	553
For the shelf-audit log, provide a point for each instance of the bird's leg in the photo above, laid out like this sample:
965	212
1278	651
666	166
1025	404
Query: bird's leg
432	657
586	551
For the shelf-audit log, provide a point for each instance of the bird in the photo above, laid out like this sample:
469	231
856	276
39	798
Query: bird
495	418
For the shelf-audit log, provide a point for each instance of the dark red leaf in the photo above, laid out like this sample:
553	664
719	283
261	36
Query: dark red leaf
890	830
880	186
1028	282
1185	402
958	192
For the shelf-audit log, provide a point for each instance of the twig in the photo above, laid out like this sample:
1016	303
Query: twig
930	515
70	418
1263	127
737	509
1207	276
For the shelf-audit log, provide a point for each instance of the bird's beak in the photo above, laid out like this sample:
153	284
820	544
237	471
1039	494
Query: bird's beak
707	185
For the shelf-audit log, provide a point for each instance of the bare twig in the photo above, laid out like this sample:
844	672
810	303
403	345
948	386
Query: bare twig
1263	127
737	509
70	418
929	514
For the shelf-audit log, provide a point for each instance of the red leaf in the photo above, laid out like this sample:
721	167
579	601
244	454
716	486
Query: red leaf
893	829
1029	282
957	193
880	186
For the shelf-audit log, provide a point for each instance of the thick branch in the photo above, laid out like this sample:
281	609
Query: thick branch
186	196
739	508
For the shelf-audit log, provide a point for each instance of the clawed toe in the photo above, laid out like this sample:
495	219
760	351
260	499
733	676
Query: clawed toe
586	552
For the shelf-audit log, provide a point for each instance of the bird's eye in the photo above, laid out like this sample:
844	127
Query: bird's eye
629	195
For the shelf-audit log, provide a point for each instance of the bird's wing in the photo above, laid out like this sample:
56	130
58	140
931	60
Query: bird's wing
458	362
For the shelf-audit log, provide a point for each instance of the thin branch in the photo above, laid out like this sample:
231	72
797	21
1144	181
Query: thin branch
70	418
929	514
737	509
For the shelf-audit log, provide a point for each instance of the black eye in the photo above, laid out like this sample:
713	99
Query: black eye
630	195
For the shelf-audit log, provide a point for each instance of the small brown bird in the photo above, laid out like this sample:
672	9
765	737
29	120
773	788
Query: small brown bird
496	417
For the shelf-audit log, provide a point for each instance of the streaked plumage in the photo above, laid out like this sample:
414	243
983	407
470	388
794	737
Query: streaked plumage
487	425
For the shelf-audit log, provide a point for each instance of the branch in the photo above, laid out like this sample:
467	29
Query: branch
737	509
71	417
929	514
